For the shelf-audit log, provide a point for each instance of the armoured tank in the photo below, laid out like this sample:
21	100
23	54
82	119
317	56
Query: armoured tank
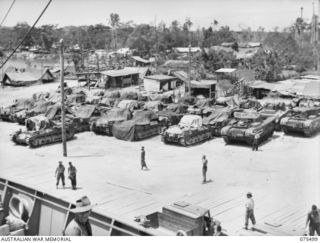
189	131
144	124
83	116
42	137
250	103
8	113
277	110
172	114
302	120
220	117
40	107
104	124
245	125
199	107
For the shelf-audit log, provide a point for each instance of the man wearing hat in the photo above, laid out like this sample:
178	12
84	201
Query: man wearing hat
143	159
73	175
204	168
80	225
255	143
60	174
313	219
249	211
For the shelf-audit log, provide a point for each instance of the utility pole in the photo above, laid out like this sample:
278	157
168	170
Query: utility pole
318	37
315	37
63	120
189	71
301	12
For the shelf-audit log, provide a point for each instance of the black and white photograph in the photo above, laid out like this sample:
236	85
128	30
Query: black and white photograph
159	118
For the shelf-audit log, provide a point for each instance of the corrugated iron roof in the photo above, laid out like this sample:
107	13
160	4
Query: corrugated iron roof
225	70
160	77
186	49
120	72
139	59
202	83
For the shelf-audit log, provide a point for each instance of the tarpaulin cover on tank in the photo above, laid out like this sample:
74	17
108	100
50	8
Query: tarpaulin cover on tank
27	103
191	121
76	98
107	101
40	96
40	107
189	100
84	111
202	103
171	116
54	110
129	96
247	115
230	101
128	104
177	108
218	115
37	123
155	105
199	106
114	115
54	97
93	99
250	103
114	94
126	130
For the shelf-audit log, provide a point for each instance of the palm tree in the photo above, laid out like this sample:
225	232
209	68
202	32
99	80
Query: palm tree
114	21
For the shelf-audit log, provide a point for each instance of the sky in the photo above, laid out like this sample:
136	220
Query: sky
237	14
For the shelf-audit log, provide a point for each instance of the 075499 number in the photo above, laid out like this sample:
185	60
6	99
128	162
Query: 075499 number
309	238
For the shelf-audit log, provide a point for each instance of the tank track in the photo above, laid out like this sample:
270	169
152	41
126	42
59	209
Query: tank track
188	141
43	139
153	130
102	130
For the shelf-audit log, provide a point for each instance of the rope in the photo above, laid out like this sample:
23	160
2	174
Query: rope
26	34
4	18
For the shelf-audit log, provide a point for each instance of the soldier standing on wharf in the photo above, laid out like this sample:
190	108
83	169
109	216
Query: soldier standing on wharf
313	220
60	174
255	144
73	175
204	168
143	159
249	211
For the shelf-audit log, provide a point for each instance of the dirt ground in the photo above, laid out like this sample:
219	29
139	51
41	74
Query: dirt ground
284	173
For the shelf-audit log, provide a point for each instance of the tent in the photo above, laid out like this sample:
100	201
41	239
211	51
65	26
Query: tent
28	77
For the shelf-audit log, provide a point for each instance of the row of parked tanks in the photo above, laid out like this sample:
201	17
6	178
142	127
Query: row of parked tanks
133	117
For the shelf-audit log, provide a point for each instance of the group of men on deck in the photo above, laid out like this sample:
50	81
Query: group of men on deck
72	175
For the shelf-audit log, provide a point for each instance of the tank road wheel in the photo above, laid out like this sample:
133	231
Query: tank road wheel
226	139
271	133
308	133
93	127
33	143
190	141
164	140
285	130
182	141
